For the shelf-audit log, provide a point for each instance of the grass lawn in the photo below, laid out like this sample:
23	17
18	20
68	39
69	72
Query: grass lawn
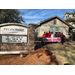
64	53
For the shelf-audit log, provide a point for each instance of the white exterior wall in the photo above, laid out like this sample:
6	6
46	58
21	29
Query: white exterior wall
70	16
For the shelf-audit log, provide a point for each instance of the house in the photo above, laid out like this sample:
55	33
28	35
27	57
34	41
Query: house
70	18
53	24
69	15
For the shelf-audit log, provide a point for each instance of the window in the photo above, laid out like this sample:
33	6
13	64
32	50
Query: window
56	29
66	16
73	30
54	21
73	15
51	29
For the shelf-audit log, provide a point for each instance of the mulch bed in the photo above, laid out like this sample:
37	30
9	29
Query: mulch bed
29	58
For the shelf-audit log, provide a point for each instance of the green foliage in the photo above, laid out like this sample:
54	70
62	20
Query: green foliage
38	39
67	40
35	38
10	16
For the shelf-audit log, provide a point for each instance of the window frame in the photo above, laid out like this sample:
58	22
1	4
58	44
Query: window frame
55	29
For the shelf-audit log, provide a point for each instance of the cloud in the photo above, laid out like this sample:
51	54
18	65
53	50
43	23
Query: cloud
32	21
47	12
36	16
34	11
44	12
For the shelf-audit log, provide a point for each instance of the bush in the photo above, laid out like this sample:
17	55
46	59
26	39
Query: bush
38	39
67	40
35	38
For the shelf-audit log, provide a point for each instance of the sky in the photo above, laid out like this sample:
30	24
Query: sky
37	15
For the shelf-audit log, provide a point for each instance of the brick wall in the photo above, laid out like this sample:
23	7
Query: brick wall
21	46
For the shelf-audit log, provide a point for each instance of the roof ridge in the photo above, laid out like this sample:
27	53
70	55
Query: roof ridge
46	19
69	13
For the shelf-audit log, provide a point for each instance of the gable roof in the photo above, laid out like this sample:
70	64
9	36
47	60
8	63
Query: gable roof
51	18
69	13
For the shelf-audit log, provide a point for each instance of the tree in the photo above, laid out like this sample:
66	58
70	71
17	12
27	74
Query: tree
11	16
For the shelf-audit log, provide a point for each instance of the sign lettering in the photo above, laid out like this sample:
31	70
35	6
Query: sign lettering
13	30
14	39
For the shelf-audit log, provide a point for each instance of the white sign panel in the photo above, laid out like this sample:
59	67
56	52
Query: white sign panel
13	30
14	39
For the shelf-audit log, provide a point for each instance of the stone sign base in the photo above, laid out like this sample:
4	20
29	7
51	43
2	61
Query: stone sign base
16	47
27	47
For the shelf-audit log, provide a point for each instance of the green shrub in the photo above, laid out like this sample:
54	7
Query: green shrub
67	40
38	39
35	38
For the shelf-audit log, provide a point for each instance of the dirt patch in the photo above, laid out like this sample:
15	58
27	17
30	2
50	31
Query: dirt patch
29	58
